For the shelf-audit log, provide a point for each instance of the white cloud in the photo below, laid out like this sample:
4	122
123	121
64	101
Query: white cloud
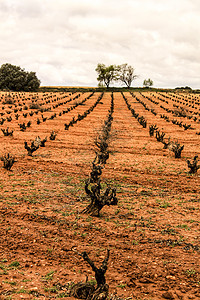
64	40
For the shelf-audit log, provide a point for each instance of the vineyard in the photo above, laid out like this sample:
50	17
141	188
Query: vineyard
98	171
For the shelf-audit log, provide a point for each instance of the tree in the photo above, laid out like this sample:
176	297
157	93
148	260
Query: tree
16	79
32	82
126	74
106	74
148	82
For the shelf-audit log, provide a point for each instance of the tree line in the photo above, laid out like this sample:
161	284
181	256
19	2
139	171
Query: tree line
118	73
15	78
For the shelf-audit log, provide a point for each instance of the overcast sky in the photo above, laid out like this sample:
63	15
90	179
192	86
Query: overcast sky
64	40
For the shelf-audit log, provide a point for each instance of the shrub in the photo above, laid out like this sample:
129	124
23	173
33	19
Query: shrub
193	165
8	161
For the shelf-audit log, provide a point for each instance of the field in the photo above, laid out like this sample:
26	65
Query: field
153	233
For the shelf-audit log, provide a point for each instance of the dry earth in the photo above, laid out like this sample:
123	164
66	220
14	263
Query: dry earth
153	232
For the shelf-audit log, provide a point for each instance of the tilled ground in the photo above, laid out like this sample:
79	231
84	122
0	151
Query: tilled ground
152	234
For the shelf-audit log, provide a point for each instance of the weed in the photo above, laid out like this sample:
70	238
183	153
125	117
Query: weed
165	204
51	289
117	211
10	282
134	242
184	226
190	272
92	281
122	286
22	291
49	276
26	280
4	268
89	219
84	234
14	264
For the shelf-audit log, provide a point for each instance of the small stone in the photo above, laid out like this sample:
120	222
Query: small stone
34	288
146	280
140	190
170	277
179	294
168	295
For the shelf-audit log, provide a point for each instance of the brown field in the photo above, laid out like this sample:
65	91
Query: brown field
153	233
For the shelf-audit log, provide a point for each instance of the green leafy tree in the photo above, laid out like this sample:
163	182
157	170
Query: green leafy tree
16	79
148	83
32	82
126	74
106	75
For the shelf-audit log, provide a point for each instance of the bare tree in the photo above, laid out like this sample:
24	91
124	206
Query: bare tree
126	74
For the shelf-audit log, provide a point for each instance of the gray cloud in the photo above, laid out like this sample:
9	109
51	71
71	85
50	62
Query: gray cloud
64	40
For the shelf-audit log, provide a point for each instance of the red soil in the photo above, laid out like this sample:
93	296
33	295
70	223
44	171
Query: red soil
153	232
